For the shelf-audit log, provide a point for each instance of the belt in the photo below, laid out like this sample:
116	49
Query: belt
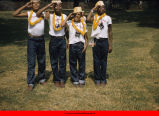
78	43
100	39
33	36
57	37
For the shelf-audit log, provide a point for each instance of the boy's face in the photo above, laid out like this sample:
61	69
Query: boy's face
58	7
36	5
101	9
77	17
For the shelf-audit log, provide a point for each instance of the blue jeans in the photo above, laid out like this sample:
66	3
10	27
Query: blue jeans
76	55
100	53
35	48
57	49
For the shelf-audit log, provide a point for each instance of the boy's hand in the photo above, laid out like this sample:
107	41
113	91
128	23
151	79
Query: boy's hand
71	15
68	45
94	8
51	5
110	49
28	4
85	47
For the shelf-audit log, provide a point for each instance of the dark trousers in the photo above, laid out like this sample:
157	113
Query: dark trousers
76	55
35	48
57	49
100	53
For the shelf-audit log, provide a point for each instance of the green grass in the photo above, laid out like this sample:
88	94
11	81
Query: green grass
133	69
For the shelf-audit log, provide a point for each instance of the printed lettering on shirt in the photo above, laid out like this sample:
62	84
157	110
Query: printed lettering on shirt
101	26
77	34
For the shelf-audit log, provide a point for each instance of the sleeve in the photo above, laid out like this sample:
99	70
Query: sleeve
43	13
69	22
84	18
64	16
28	13
109	20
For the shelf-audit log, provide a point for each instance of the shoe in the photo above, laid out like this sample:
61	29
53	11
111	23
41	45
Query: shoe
57	84
103	84
97	84
76	85
30	87
62	84
43	83
82	85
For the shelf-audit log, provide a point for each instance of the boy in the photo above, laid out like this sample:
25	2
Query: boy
57	46
77	46
36	42
101	31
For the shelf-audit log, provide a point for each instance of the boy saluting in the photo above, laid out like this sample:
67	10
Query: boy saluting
101	32
57	46
35	43
77	45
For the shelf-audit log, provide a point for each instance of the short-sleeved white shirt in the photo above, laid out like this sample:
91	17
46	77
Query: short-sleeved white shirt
72	32
37	29
52	32
102	32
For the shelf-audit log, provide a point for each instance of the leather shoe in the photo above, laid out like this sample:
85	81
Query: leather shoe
57	84
30	87
62	84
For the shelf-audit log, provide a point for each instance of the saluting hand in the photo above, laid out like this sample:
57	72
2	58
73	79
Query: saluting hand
28	4
71	15
94	8
51	4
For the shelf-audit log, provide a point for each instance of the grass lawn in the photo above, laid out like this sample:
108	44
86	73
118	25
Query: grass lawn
133	69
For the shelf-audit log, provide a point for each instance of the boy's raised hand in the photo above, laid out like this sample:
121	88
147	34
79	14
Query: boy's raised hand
28	4
94	8
51	5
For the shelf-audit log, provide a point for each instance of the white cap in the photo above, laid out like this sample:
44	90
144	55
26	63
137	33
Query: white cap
77	9
35	0
99	3
56	1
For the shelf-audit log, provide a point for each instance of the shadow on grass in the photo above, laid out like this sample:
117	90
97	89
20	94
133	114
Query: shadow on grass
91	75
146	18
47	77
14	31
155	50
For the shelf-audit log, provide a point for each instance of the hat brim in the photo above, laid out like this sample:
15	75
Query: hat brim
35	1
56	2
77	12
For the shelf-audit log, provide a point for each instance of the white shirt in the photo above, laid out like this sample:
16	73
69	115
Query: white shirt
102	28
73	36
84	18
52	32
37	29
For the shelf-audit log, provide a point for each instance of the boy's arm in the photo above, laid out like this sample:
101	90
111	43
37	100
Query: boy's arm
65	21
90	17
86	42
18	13
39	13
110	37
67	36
